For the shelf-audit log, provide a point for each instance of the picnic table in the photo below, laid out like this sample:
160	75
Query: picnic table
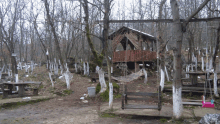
194	76
21	86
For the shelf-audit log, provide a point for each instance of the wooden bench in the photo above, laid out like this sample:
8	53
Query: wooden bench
5	93
140	96
21	85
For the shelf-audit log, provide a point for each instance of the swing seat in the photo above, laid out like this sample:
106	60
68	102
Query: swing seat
207	105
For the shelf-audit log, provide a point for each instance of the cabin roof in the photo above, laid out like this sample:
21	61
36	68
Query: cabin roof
124	29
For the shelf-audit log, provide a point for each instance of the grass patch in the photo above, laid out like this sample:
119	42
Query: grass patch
108	115
168	82
68	92
16	105
189	107
163	120
105	95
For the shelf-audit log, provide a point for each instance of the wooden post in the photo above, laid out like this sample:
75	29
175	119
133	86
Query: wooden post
10	87
21	90
126	100
159	99
122	96
5	93
35	92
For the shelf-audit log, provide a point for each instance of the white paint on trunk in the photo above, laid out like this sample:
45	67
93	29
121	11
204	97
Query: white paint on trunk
56	69
177	102
210	64
102	80
168	79
16	80
84	68
76	67
196	63
192	67
87	68
215	85
47	53
145	76
202	64
67	78
111	70
162	79
9	73
97	69
32	68
61	68
110	95
0	75
51	79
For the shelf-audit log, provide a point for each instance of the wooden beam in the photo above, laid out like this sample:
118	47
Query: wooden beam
160	20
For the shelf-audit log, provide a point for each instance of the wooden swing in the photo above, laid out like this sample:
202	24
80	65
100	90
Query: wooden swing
140	96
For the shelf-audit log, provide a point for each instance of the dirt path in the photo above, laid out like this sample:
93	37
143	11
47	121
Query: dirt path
63	109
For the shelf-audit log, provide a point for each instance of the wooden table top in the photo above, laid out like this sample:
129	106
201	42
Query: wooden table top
21	83
199	73
196	73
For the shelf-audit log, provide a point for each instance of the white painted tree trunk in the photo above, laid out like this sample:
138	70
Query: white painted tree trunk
145	76
67	69
202	64
76	67
32	68
51	79
162	79
56	69
168	79
9	73
210	64
102	80
67	78
111	70
61	69
177	102
110	95
97	69
16	81
196	63
207	63
84	68
0	75
192	67
87	68
26	69
215	85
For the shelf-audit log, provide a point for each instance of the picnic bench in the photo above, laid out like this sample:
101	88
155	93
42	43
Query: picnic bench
140	96
21	90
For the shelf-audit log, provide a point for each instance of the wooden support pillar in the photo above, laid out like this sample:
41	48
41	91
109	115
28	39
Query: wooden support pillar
5	93
136	65
35	92
21	90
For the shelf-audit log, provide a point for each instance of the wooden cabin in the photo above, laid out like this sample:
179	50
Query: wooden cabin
133	47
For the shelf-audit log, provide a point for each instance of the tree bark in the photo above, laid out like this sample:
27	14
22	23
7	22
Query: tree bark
54	34
177	87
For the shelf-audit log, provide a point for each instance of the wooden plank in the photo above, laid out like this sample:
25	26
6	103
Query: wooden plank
159	20
138	98
191	100
141	107
192	103
142	94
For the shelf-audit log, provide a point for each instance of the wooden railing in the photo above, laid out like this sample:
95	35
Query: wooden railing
134	55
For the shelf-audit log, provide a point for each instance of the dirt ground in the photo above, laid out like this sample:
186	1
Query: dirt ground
69	109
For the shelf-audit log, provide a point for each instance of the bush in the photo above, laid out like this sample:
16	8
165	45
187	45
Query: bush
105	95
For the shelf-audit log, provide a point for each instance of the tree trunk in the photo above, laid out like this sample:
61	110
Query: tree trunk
177	87
54	34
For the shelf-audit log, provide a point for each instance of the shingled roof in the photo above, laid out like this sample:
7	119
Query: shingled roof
124	30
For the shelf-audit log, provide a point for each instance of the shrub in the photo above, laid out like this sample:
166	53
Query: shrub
105	95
